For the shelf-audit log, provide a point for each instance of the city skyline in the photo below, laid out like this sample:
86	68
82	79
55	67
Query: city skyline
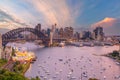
78	14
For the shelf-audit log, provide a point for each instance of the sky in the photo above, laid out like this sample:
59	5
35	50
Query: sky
76	13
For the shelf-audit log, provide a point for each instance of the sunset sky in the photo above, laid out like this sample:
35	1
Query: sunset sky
75	13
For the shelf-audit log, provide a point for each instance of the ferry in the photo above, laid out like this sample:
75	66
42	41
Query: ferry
117	63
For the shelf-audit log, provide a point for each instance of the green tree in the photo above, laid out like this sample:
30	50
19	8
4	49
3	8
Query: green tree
13	52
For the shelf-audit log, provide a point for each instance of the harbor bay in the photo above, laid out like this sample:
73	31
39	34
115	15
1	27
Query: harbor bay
72	63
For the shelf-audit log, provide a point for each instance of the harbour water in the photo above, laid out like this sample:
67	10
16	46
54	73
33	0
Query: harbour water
73	63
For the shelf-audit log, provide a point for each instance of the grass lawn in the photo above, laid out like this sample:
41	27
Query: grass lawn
2	62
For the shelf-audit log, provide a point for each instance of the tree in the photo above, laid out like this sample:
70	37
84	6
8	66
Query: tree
13	52
37	78
7	75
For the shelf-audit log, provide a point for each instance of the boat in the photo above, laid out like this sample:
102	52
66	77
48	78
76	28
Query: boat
68	75
61	44
34	59
81	45
117	63
60	59
73	77
31	61
92	45
54	76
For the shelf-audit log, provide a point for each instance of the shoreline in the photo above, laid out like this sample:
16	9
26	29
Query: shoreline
114	58
27	67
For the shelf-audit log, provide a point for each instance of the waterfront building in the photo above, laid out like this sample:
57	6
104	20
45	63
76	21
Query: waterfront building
0	46
23	56
7	53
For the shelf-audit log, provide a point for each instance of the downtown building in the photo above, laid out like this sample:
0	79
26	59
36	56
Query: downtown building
85	35
98	33
61	32
68	32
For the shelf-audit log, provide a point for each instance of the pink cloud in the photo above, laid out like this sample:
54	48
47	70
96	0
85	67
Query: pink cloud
111	26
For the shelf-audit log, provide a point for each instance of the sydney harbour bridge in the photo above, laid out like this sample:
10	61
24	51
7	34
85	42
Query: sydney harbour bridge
10	36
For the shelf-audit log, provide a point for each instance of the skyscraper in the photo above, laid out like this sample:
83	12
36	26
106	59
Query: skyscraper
38	27
52	33
48	32
61	33
99	34
68	32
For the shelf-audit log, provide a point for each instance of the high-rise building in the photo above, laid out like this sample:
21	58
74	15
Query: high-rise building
56	33
99	34
51	37
61	33
38	27
81	35
0	46
93	35
52	33
77	36
87	35
48	32
68	32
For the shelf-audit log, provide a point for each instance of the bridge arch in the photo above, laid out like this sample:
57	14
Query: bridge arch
10	35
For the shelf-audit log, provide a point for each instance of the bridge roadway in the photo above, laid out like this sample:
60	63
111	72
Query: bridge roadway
44	41
47	39
10	36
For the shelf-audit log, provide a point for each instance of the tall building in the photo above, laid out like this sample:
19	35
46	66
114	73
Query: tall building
93	35
51	37
99	34
61	33
56	33
48	32
52	33
38	27
0	46
87	35
68	32
81	35
77	36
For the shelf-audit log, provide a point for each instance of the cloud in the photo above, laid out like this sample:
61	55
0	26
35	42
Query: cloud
111	26
9	21
55	11
31	12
